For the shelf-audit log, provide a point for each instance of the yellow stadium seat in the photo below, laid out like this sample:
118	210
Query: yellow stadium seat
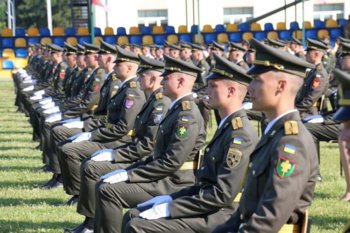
157	30
323	33
20	62
46	40
20	43
247	36
255	27
98	40
72	40
307	25
207	28
8	53
232	27
198	39
109	31
331	23
182	29
281	26
147	40
134	31
298	34
222	38
272	35
33	31
83	31
58	31
123	40
6	32
173	39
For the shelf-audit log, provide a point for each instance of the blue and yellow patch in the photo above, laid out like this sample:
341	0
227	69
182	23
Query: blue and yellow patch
237	141
289	149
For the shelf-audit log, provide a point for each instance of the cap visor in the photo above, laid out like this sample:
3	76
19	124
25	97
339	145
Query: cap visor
343	114
256	69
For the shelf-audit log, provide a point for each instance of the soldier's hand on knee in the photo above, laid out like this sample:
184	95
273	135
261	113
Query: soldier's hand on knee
102	155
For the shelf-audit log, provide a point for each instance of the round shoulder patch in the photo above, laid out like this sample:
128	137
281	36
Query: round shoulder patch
233	157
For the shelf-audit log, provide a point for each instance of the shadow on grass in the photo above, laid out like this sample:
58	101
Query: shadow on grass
18	168
323	195
18	156
38	201
23	184
15	139
16	148
28	226
15	132
327	222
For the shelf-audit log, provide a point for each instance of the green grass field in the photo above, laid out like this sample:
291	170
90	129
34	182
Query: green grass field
26	209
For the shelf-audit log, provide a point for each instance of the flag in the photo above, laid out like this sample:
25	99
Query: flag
100	3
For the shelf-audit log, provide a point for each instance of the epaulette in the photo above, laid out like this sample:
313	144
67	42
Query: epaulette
237	123
291	128
114	77
132	84
159	96
186	105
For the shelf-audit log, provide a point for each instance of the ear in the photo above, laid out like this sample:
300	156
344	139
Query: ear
282	84
231	90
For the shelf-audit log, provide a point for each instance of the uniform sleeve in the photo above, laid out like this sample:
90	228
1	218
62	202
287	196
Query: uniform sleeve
289	171
183	138
94	92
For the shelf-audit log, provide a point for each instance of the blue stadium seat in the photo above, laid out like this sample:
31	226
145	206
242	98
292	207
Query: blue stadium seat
8	42
8	64
170	30
146	30
20	32
311	33
220	28
159	39
285	35
110	39
335	32
82	39
185	38
293	26
235	37
21	52
341	22
244	27
209	37
135	39
58	40
194	29
70	31
121	31
33	40
260	35
268	27
319	24
44	32
98	31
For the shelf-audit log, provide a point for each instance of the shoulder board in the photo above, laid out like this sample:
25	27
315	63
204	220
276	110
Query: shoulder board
114	77
291	128
237	123
131	95
159	96
186	105
132	84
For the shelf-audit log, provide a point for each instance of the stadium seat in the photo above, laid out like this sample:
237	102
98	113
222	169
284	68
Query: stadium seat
97	40
8	42
133	31
134	39
58	31
7	64
331	23
70	31
159	39
244	27
97	31
170	29
335	33
121	31
72	40
255	27
185	38
58	40
235	37
322	33
8	53
20	43
21	52
20	62
307	25
82	39
46	40
6	32
45	32
157	30
294	26
209	37
247	36
33	40
198	39
272	35
110	39
122	40
219	28
173	39
232	27
83	31
222	38
194	29
147	40
319	24
33	31
341	22
182	29
109	31
260	35
311	33
207	28
285	35
20	32
298	34
146	30
268	27
281	26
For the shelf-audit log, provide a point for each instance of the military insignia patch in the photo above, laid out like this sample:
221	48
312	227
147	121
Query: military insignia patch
182	131
96	87
133	84
185	119
62	74
237	141
316	82
129	103
233	157
284	167
289	149
157	118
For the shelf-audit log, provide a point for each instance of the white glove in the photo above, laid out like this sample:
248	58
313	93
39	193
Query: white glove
102	155
115	176
41	92
70	120
85	136
30	88
74	125
52	110
157	211
248	105
28	80
314	119
36	97
48	105
156	201
45	100
54	117
195	95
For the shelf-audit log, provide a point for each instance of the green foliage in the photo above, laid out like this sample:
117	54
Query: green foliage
3	18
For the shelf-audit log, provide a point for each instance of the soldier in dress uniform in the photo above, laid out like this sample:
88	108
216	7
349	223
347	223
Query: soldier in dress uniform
236	55
171	166
209	201
216	48
283	167
297	48
186	51
174	50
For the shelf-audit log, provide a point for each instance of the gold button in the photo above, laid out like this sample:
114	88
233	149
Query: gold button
207	149
241	216
253	172
250	164
213	158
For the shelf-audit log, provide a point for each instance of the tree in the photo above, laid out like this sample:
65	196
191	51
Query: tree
3	16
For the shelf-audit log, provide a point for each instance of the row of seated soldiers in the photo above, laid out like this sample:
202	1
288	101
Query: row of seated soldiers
124	130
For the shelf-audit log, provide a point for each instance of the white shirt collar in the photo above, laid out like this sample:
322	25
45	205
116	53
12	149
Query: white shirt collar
224	119
175	101
127	80
271	123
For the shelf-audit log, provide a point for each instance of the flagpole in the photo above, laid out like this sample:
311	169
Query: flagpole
92	22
